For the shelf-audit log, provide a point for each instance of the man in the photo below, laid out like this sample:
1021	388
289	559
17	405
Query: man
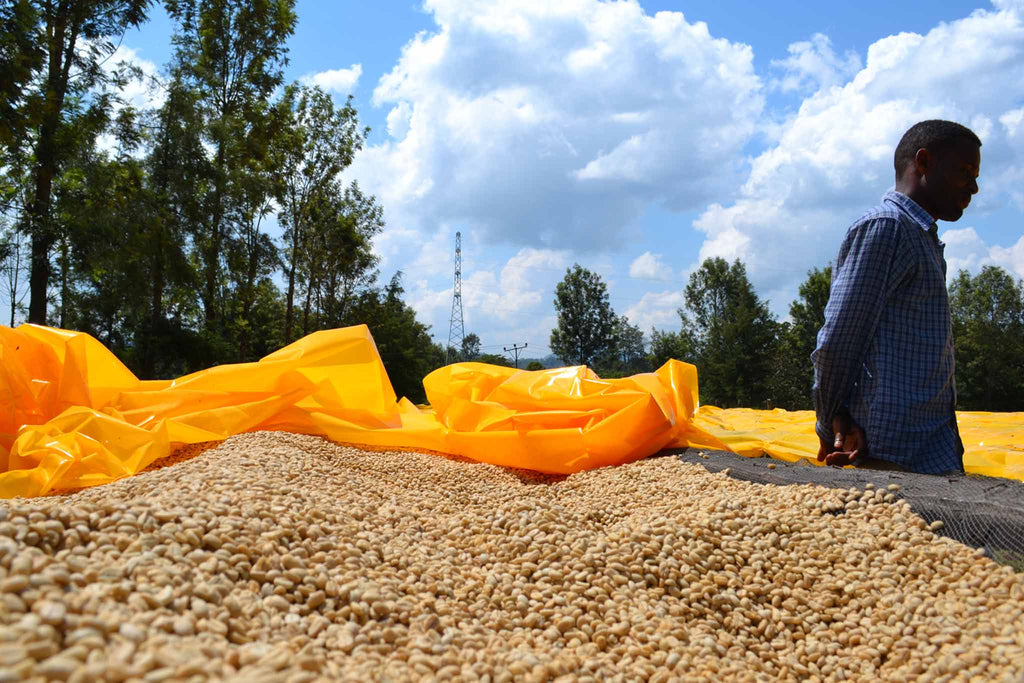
883	368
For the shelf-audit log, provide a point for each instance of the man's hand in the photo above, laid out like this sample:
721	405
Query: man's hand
849	444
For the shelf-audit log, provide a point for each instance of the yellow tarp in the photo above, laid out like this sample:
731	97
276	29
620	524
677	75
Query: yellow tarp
993	442
71	415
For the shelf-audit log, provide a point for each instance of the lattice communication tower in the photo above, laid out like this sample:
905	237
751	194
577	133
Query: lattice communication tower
456	328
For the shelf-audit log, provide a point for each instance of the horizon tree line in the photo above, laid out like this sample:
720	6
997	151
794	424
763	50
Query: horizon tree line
745	357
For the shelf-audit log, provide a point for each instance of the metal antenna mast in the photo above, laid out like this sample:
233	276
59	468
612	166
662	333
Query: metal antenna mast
456	329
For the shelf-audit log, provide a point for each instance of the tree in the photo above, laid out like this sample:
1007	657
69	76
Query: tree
12	270
403	342
232	53
534	365
627	353
320	141
793	373
586	322
470	346
735	335
336	258
22	53
65	45
178	173
988	332
668	345
252	255
494	359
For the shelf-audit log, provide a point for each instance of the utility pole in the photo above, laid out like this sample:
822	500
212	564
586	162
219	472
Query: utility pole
456	329
515	349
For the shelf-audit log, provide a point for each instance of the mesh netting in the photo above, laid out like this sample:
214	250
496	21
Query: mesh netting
982	512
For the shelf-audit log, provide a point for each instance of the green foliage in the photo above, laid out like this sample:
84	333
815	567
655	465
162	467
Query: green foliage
793	373
230	55
336	258
319	141
13	262
404	343
586	322
534	365
494	359
57	52
161	248
627	354
735	335
470	347
667	345
988	330
22	51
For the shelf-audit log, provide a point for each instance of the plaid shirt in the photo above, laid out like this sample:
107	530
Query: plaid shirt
885	352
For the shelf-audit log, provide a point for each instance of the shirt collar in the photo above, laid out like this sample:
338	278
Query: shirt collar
914	210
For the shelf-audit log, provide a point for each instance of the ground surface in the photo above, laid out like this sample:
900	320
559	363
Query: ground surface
285	557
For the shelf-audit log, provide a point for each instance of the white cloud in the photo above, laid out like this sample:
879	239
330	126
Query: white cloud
141	94
833	159
649	266
966	250
503	300
657	309
813	64
556	124
341	81
524	281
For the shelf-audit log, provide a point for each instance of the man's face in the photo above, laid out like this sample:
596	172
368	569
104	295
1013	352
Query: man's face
951	178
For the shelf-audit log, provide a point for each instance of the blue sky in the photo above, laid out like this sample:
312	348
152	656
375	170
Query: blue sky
637	138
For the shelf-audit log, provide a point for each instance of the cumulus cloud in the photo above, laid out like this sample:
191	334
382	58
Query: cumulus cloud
341	81
557	124
523	282
502	301
143	93
648	266
813	64
657	309
833	159
966	250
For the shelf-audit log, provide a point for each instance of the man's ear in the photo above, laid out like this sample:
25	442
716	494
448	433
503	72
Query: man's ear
922	160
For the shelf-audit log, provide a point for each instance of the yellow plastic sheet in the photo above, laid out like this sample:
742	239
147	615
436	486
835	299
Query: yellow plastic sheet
71	415
993	442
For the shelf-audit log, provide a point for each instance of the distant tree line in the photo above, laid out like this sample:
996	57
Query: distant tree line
745	357
150	228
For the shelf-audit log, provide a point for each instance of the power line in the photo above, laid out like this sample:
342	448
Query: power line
515	349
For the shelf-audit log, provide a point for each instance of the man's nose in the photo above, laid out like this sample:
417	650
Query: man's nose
974	186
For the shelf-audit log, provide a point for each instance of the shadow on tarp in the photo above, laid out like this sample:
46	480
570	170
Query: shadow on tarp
979	511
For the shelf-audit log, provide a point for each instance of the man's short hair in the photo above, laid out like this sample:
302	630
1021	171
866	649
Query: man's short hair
935	135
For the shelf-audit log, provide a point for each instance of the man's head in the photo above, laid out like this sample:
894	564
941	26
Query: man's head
937	164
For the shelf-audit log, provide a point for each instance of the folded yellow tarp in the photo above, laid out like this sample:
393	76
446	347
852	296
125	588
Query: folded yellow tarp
71	415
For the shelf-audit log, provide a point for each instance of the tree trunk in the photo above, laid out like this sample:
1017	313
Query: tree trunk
41	226
247	292
213	249
64	283
305	309
39	220
156	306
289	310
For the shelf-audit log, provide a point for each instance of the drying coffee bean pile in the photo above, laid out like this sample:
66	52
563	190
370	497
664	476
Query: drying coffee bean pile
285	557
